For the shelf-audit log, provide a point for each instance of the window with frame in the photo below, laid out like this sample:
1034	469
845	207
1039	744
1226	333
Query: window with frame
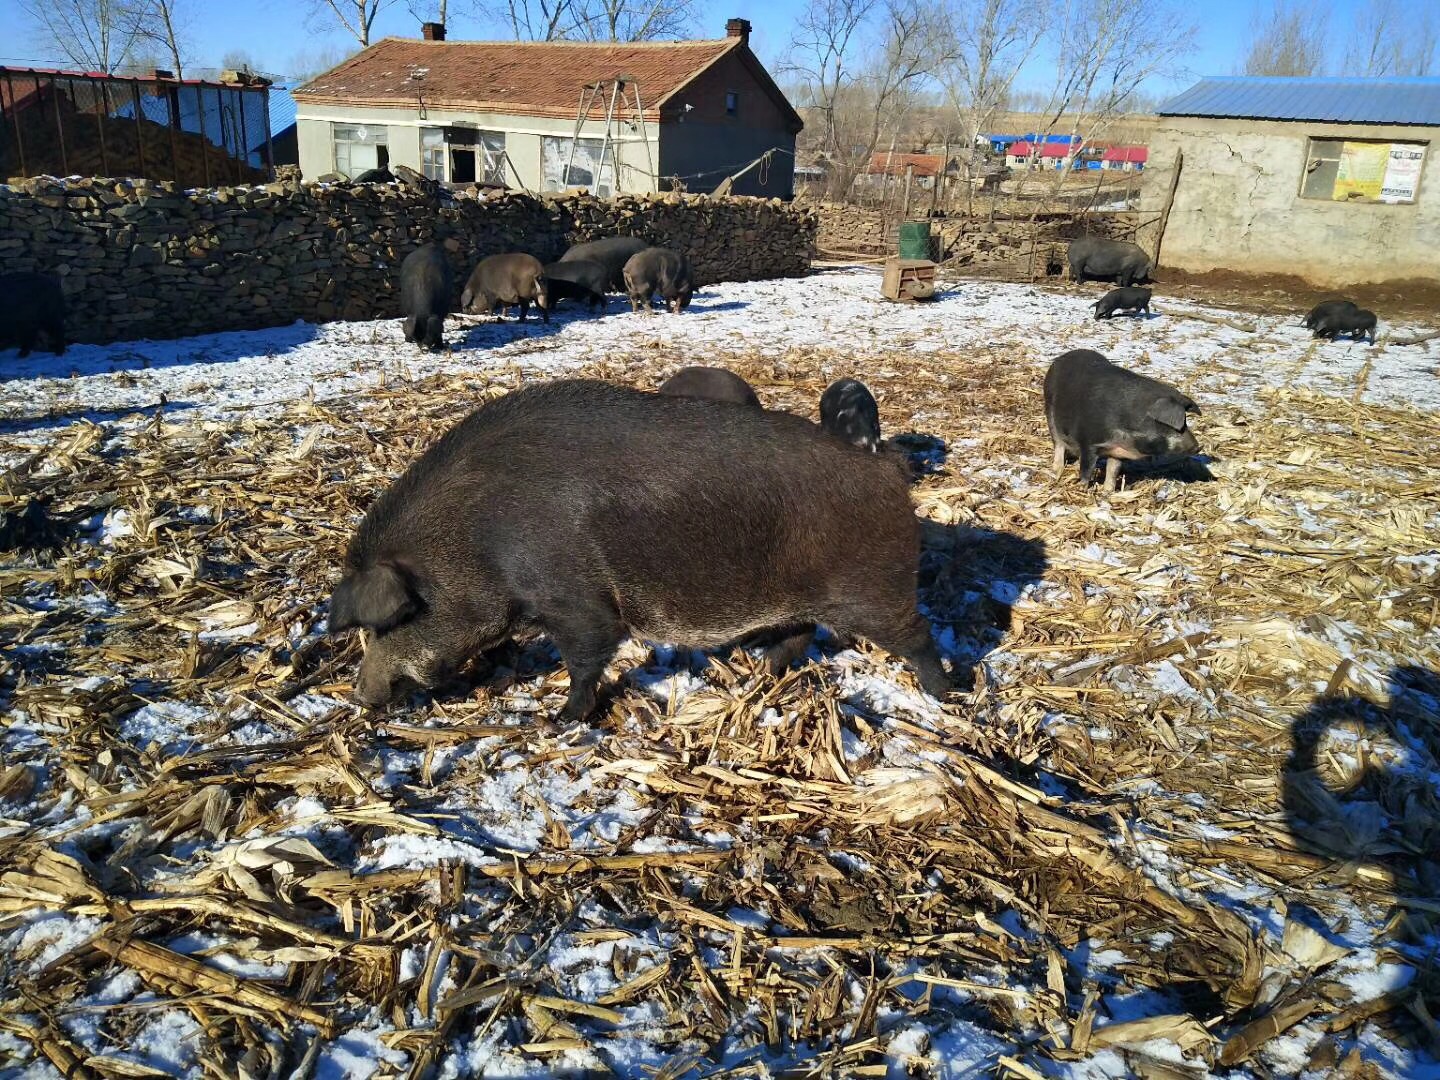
1346	170
582	168
732	103
432	153
359	147
491	148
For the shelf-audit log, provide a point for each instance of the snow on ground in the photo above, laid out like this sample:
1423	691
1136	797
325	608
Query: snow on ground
834	310
485	800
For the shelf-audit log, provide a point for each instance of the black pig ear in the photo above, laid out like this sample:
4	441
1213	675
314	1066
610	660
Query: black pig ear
379	598
1167	411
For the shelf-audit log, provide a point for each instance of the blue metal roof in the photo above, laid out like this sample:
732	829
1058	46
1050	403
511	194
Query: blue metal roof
1413	101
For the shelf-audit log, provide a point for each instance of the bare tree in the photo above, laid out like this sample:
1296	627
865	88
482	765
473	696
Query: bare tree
238	60
304	66
635	20
158	22
1106	49
355	16
594	20
1290	40
859	66
95	35
824	62
428	10
537	20
1390	38
990	41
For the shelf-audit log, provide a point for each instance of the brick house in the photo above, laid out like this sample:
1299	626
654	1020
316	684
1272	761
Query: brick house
662	115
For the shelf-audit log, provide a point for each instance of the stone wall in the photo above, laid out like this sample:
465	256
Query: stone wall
846	229
141	259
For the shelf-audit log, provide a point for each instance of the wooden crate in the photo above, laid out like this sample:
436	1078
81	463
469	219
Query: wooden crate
908	279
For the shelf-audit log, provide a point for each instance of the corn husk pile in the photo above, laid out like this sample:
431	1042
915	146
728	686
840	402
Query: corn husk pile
1199	765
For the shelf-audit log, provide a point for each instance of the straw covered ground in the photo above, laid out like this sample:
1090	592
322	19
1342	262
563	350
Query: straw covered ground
1186	823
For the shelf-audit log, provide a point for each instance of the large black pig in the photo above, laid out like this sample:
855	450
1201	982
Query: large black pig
31	305
502	281
593	512
613	253
848	411
1097	259
426	285
658	270
1096	409
579	279
712	383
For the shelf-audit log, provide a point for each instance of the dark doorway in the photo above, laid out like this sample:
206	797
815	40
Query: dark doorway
462	164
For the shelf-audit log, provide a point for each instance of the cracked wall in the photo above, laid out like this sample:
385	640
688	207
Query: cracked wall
1238	206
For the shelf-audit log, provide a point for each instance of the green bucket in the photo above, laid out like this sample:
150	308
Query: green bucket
915	240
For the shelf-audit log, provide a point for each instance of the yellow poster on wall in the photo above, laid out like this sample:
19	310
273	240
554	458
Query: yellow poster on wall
1362	171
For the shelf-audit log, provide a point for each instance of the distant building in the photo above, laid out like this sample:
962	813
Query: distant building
810	174
1126	158
1000	144
923	168
1335	180
681	114
1047	155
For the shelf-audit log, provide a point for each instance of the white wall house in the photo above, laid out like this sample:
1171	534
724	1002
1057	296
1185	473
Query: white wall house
680	115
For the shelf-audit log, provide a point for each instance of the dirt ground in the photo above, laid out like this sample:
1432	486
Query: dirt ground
1410	300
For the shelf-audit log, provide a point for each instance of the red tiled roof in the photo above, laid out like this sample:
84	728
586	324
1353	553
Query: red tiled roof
896	164
1137	154
530	78
1047	150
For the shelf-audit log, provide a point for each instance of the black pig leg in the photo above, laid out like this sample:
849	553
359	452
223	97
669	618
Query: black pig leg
1112	473
1059	463
909	639
586	641
1088	457
779	656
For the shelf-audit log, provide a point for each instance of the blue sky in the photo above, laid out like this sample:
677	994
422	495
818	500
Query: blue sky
281	40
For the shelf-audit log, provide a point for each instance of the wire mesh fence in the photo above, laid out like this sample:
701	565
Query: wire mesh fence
194	133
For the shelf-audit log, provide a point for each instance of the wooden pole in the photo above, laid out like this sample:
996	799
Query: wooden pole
59	124
1169	202
939	179
909	179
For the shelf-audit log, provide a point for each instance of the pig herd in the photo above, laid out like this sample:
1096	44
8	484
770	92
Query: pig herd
586	274
1093	258
592	512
